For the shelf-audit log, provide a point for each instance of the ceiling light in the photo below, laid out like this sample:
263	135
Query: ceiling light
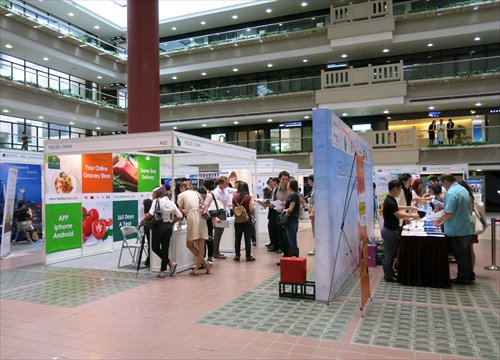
234	17
203	74
385	50
431	107
71	14
345	114
477	38
97	27
473	111
36	26
306	117
269	11
386	111
479	169
236	122
388	118
204	125
173	28
269	120
174	77
5	111
203	22
478	104
61	36
235	45
269	65
343	56
46	58
235	70
8	46
72	123
98	128
304	4
99	77
9	14
41	117
430	44
175	128
305	60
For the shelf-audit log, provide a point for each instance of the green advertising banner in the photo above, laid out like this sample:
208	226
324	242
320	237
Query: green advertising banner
124	214
149	172
63	227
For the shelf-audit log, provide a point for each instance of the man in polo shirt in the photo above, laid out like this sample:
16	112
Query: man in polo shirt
458	227
391	233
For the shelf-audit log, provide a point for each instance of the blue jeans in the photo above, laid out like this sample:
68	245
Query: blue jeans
391	246
291	233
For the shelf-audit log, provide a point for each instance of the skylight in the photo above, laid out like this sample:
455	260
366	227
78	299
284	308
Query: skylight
115	11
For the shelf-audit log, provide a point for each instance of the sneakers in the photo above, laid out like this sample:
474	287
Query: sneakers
312	252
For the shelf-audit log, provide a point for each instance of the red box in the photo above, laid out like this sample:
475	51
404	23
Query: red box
372	255
293	270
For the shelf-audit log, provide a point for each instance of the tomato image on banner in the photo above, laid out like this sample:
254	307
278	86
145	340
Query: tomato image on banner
97	220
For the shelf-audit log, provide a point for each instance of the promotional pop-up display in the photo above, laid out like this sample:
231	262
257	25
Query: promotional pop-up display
345	218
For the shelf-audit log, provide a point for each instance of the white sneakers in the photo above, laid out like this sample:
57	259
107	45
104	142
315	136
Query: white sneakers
312	252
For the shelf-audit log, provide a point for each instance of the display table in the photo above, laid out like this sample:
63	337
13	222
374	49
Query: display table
423	261
177	252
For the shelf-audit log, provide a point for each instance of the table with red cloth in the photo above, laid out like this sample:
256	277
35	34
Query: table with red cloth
423	261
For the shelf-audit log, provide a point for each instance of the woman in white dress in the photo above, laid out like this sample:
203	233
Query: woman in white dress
197	231
441	127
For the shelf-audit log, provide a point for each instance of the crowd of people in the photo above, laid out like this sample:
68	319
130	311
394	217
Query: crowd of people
454	201
220	199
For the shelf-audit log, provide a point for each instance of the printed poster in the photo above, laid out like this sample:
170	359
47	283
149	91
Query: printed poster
125	172
63	227
125	213
97	174
8	213
149	172
97	220
63	176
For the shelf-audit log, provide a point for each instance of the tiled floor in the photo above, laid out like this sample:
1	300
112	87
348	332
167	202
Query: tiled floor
235	312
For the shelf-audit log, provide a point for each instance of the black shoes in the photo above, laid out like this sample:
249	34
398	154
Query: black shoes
391	279
458	281
254	242
269	245
250	258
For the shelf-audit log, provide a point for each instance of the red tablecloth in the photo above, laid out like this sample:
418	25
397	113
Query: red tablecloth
423	261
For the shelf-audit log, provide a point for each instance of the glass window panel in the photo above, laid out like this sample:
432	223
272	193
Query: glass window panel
59	127
54	134
64	134
12	59
53	82
59	74
36	123
5	68
31	76
18	73
242	138
43	133
43	80
33	66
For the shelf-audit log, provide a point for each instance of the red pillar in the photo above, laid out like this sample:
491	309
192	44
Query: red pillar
143	66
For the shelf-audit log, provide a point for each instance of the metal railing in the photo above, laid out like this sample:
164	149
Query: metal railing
57	84
252	90
248	33
477	134
416	6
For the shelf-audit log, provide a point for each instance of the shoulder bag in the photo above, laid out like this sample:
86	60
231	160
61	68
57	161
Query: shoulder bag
218	211
157	217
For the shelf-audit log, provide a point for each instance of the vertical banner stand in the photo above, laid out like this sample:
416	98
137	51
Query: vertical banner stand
493	265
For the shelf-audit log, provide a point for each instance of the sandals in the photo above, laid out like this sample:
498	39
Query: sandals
208	267
194	272
173	268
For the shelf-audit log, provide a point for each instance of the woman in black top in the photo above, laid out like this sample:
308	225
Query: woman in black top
432	132
292	208
243	197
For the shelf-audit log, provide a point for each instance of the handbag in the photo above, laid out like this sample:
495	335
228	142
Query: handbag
480	222
157	217
218	211
283	219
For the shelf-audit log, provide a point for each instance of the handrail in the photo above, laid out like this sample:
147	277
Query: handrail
416	6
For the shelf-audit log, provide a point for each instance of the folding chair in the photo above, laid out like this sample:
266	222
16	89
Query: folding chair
132	242
25	227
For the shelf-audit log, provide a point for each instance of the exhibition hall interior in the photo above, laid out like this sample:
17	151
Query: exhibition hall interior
334	99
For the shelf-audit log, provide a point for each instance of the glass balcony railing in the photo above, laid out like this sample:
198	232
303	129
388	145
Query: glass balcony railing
477	134
416	6
64	28
242	91
250	33
57	84
466	67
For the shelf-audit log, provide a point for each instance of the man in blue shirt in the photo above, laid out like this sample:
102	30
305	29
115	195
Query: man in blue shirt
458	227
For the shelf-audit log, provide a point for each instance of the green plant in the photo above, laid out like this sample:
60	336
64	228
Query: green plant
460	134
5	4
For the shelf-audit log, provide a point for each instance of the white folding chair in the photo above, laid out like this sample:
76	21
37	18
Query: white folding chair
132	242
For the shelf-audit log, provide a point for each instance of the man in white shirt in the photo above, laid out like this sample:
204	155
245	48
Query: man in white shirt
222	193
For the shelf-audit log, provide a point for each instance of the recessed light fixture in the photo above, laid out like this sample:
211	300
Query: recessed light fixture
305	60
430	44
174	77
41	117
99	77
36	26
236	122
71	14
478	104
46	58
269	120
386	111
5	111
8	46
97	27
9	14
72	123
98	128
203	22
431	107
473	111
306	117
175	128
203	74
477	38
343	56
234	17
235	70
345	114
269	10
304	4
204	125
173	28
269	65
388	118
385	50
479	169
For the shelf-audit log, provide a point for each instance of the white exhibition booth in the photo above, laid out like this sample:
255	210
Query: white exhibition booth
93	186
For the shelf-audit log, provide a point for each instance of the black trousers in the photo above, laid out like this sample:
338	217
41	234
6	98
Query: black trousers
240	229
272	229
161	242
209	244
283	239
